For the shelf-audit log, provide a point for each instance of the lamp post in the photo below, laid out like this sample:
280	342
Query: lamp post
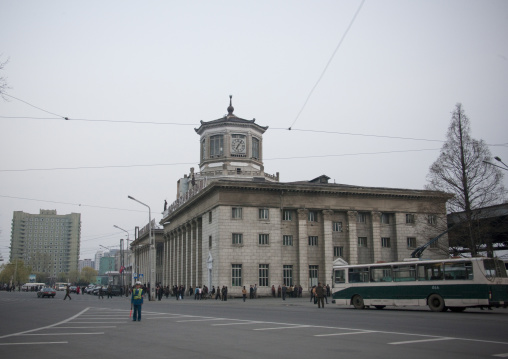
499	160
121	253
151	259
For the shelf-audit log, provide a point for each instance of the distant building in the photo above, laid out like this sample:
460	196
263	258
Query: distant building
85	263
233	224
97	262
47	242
107	264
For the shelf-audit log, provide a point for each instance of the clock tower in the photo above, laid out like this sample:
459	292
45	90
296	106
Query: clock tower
232	147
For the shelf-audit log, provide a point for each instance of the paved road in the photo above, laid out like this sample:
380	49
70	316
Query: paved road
263	328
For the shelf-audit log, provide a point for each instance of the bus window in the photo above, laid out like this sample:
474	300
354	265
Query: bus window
494	268
359	275
340	275
381	274
430	271
404	273
460	271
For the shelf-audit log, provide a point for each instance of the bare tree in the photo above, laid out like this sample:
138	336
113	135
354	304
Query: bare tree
3	79
460	170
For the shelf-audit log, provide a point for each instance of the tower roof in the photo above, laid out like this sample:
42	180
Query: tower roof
230	118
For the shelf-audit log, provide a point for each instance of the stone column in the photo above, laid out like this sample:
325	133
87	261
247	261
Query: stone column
352	237
164	258
199	251
303	259
172	258
188	248
376	236
327	247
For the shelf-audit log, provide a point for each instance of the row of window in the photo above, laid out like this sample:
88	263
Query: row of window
407	272
264	214
36	219
264	274
287	240
216	148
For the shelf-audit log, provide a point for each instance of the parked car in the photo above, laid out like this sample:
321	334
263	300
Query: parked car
115	290
46	292
89	288
73	289
95	291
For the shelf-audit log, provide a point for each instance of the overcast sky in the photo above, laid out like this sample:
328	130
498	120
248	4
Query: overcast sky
380	111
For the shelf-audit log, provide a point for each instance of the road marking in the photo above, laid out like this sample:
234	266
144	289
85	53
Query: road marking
201	320
422	340
126	320
34	343
45	334
46	327
241	323
93	327
362	332
504	355
289	327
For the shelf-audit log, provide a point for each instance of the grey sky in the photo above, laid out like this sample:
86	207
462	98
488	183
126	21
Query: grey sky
399	72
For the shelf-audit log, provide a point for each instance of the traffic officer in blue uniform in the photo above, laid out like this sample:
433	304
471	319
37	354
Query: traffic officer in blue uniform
137	302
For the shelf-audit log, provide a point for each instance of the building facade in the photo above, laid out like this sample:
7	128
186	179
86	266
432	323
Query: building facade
85	263
48	242
234	225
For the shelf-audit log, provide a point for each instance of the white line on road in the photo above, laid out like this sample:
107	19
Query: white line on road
125	321
504	355
241	323
89	327
45	334
46	327
349	333
289	327
422	341
34	343
200	320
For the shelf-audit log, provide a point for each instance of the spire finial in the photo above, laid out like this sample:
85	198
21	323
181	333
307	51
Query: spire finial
230	107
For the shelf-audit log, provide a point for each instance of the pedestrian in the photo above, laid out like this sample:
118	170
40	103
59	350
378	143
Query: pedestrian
251	292
110	292
320	293
313	294
244	293
273	291
137	302
67	291
284	289
100	294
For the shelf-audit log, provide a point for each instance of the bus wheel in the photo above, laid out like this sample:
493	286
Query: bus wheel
358	302
436	303
457	309
380	306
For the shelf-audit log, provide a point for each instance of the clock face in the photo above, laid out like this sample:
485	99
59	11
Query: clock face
238	145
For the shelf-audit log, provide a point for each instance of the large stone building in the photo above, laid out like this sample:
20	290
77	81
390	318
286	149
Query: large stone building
48	242
234	225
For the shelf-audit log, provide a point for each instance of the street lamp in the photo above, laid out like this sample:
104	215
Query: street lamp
121	253
151	258
499	160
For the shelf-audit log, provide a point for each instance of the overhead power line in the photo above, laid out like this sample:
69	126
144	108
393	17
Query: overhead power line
72	204
192	163
328	64
96	167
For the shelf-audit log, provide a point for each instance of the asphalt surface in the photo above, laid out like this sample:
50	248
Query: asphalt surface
86	327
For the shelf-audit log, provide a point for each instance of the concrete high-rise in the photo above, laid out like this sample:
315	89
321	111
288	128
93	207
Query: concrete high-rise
47	242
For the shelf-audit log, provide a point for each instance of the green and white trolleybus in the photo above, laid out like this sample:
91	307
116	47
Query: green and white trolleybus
454	284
